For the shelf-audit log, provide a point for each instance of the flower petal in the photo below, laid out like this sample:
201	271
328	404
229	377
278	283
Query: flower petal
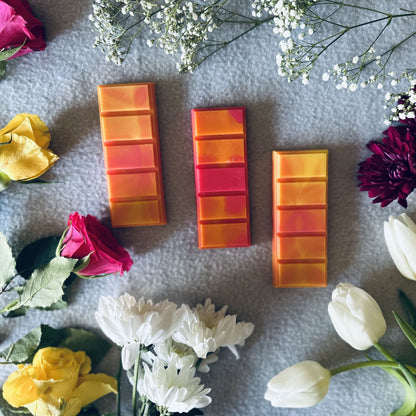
396	253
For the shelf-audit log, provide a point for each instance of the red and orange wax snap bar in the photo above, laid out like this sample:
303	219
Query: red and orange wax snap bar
221	179
300	201
130	135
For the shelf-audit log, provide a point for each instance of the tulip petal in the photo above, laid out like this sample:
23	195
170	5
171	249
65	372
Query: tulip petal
301	385
406	220
356	316
396	254
348	327
406	240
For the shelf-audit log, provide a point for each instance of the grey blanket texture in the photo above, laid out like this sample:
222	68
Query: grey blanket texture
291	325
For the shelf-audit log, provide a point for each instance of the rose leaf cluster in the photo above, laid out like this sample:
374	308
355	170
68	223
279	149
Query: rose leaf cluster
87	249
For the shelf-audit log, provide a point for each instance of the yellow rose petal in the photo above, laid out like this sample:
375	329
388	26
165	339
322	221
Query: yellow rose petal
31	126
19	389
85	365
23	159
93	386
72	407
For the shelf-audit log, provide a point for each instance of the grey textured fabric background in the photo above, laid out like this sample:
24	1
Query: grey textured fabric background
59	85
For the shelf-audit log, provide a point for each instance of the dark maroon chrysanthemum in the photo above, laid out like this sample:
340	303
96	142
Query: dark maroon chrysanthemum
390	173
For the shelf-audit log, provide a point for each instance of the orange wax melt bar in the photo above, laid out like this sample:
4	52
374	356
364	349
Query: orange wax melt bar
300	201
220	159
130	134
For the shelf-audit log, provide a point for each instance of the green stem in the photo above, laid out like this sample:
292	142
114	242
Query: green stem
146	408
383	351
10	306
119	387
136	378
363	364
226	43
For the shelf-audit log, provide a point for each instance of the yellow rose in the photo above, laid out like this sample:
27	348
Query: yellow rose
23	148
57	383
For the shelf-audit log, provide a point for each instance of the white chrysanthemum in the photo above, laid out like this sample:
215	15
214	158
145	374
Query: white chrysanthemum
171	389
132	324
171	352
181	355
205	330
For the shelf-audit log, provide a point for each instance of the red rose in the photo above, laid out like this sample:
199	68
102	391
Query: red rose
87	235
18	25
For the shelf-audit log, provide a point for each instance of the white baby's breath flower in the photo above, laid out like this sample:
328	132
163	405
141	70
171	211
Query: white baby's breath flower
206	330
132	324
172	390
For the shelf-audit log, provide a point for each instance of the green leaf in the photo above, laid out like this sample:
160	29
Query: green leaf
82	263
16	312
8	53
76	339
3	65
60	304
45	286
409	307
5	181
409	376
35	255
24	349
7	262
409	402
407	329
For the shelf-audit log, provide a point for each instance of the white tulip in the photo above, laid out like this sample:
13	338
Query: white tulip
356	316
400	235
301	385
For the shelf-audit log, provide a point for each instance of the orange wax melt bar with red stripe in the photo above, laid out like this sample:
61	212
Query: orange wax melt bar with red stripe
221	181
130	135
300	201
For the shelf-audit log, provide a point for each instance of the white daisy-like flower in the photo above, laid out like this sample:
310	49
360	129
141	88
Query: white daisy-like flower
180	354
206	330
132	324
172	390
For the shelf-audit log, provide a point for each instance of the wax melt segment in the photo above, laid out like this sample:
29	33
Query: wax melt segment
300	198
131	145
220	157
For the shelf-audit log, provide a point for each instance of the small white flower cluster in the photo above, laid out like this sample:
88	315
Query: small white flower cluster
183	26
289	17
168	345
174	25
111	31
347	74
402	105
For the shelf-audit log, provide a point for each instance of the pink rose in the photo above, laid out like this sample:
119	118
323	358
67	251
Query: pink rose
18	25
87	235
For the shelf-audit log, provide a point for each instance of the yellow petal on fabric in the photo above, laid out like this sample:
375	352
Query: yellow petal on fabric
19	389
31	126
93	386
23	159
